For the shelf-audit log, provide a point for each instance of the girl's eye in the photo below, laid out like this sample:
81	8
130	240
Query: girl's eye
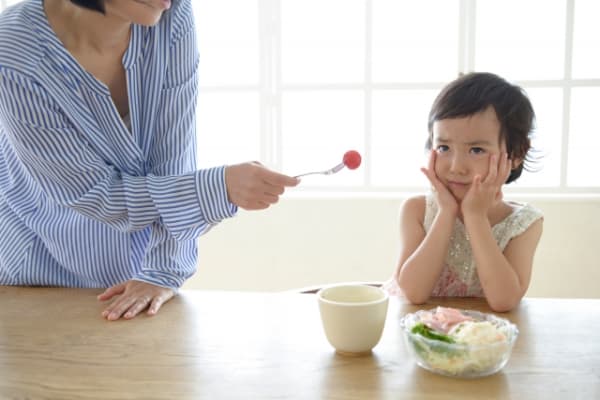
477	150
442	148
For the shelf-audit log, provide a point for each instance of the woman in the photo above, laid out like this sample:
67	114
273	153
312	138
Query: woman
98	186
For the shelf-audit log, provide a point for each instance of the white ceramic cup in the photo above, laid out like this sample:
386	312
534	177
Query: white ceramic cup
353	316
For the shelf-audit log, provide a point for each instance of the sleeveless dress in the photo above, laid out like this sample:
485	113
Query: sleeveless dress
459	277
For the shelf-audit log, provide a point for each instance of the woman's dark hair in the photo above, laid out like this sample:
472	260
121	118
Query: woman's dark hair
475	92
96	5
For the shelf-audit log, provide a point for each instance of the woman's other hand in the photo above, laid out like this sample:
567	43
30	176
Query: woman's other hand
134	297
252	186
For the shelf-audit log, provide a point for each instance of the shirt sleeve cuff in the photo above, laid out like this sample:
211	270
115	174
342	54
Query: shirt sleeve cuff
160	278
212	192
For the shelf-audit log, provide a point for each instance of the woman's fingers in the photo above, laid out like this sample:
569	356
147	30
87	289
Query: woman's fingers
135	297
158	302
118	308
137	307
253	187
112	291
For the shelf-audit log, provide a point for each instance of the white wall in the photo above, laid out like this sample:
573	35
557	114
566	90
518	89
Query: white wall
302	242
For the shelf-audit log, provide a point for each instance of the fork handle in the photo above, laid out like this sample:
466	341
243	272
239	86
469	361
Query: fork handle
311	173
330	171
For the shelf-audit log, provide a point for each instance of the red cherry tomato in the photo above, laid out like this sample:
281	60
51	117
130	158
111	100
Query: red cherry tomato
352	159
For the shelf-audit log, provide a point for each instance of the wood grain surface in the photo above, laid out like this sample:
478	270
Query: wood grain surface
243	345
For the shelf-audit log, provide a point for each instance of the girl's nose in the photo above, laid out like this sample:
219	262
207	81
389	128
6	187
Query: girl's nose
458	164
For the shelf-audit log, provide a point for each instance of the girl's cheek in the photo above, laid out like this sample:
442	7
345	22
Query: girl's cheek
440	166
483	166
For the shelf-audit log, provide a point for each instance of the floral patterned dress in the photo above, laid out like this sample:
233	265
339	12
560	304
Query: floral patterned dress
459	276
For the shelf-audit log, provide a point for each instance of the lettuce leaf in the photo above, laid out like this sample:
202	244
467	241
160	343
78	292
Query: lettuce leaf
424	330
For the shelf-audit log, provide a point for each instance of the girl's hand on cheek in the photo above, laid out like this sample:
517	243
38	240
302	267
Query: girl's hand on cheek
485	193
444	199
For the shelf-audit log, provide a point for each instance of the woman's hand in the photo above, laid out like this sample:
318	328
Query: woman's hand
134	297
251	186
484	194
443	197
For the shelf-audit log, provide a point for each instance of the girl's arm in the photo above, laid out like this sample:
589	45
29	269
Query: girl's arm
421	254
504	276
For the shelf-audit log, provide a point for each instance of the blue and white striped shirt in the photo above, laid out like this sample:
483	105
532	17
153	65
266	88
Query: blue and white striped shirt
83	201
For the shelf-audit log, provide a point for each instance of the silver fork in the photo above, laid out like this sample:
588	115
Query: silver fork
329	171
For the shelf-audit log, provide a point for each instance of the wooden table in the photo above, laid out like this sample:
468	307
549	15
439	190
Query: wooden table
232	345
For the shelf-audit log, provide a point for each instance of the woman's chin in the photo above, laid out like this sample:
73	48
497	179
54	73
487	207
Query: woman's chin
148	21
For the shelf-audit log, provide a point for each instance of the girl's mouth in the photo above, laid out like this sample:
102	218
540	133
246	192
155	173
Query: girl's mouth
457	185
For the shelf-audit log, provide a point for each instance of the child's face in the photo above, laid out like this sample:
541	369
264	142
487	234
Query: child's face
464	146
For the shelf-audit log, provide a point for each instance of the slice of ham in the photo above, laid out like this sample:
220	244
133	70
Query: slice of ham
442	319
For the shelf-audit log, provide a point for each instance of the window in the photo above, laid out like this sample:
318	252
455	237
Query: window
294	84
330	75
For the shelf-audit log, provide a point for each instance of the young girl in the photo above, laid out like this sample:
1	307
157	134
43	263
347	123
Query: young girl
463	239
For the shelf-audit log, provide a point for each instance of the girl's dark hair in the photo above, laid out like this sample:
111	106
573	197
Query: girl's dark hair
96	5
475	92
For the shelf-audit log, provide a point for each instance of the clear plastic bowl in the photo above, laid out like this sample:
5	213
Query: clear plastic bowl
459	359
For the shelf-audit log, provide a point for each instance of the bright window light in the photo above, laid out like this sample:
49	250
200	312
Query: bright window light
294	84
